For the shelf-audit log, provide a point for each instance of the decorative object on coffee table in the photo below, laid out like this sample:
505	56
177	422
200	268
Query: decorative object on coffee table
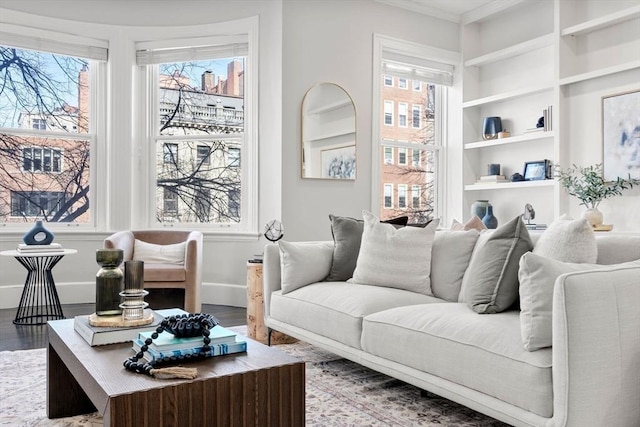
589	186
38	235
133	305
109	282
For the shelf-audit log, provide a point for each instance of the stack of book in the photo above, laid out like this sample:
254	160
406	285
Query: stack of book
488	179
223	341
52	248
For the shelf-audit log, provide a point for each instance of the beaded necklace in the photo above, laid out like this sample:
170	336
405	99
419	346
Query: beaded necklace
181	326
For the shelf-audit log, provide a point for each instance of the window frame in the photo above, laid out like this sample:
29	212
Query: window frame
416	123
403	107
402	193
416	195
390	196
388	160
401	151
404	86
388	114
390	84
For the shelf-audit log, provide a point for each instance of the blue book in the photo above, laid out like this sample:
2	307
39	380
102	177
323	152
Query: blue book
216	350
167	341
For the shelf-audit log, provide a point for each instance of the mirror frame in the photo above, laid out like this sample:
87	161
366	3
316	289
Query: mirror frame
341	141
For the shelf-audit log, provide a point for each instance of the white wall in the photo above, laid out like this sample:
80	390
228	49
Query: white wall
332	41
224	272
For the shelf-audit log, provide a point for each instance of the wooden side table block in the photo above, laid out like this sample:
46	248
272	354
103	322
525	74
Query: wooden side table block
256	328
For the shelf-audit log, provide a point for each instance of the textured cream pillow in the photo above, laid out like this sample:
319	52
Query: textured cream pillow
159	254
568	241
537	276
395	258
303	263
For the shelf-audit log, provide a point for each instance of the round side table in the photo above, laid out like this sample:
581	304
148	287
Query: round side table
39	302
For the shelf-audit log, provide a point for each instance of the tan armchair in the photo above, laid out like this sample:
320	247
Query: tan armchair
167	276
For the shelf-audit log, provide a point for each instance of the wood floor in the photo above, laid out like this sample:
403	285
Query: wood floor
15	337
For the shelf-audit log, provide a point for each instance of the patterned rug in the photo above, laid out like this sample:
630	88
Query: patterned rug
338	393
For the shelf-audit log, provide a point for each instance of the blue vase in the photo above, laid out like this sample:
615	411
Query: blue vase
479	208
489	220
38	235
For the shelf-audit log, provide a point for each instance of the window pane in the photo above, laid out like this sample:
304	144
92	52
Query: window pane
402	83
388	196
388	113
388	80
41	176
388	155
415	171
201	189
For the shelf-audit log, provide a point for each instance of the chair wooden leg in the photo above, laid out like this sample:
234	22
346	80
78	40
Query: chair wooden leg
269	331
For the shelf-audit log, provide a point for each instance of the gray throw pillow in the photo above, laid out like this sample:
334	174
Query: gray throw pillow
490	284
347	236
449	260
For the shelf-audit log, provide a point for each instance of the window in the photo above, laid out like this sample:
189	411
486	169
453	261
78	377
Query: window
416	113
402	156
402	115
49	121
388	81
415	196
203	154
41	159
202	98
40	124
402	196
37	203
388	155
170	201
415	162
419	187
388	113
388	196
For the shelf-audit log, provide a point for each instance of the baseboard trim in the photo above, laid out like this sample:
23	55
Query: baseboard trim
85	292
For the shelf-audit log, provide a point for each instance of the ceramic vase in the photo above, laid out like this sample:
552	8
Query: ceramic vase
489	220
479	208
38	235
594	216
491	127
109	282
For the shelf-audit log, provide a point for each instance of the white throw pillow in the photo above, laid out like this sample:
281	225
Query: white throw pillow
537	276
159	254
395	258
303	263
568	241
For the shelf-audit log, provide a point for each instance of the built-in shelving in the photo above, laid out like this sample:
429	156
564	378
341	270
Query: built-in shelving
530	90
510	185
331	107
510	140
512	51
631	65
331	135
602	22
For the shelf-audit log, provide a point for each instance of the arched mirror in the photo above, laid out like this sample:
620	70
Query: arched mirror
328	133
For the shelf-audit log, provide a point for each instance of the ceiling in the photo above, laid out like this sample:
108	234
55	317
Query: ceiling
451	10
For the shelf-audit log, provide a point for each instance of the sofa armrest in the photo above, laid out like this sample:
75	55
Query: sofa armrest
271	278
596	348
121	240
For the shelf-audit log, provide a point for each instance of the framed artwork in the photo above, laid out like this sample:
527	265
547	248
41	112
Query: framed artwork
621	135
339	163
534	171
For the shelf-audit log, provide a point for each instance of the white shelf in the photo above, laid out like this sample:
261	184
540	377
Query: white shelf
329	135
330	107
600	73
488	10
602	22
510	185
507	95
511	51
511	140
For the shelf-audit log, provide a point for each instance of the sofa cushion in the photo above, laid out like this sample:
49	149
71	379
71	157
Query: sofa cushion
302	263
490	284
449	260
347	235
568	241
614	249
154	272
335	309
395	258
537	276
453	342
161	254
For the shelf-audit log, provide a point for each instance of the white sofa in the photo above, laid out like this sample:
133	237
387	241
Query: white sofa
589	377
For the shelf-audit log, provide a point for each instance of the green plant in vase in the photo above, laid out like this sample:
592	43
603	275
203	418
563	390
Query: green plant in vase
589	186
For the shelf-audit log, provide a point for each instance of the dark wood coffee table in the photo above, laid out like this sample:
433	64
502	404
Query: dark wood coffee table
263	387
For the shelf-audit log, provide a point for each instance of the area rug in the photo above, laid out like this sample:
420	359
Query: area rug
338	393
